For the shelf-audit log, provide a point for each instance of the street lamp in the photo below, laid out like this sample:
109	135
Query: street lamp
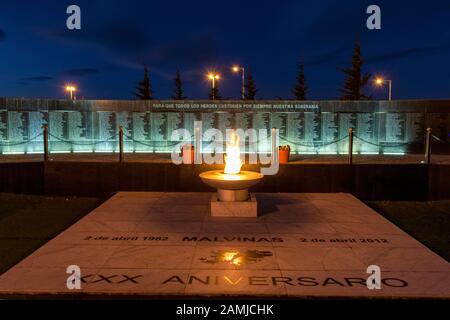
213	77
380	81
236	69
71	89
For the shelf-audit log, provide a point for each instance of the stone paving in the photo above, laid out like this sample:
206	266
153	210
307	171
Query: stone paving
148	243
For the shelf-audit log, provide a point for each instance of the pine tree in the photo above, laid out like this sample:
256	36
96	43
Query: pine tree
214	93
144	88
354	81
178	93
250	87
300	90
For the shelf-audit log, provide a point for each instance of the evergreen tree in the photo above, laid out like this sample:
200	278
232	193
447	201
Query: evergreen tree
300	88
178	93
354	82
214	93
144	88
250	87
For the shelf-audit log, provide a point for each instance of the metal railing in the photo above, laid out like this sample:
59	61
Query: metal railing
197	143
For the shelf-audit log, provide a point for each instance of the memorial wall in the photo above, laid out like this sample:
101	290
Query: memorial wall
308	127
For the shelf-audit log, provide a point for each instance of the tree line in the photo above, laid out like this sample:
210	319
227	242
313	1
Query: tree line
352	88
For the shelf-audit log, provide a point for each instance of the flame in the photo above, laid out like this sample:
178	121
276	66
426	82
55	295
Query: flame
232	257
237	261
229	255
233	162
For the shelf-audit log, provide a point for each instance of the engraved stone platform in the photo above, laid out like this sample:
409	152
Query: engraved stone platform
168	244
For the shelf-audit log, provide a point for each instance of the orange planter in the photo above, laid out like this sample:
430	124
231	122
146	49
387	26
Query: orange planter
188	154
283	156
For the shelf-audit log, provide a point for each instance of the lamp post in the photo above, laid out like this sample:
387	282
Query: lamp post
213	77
381	81
71	89
236	69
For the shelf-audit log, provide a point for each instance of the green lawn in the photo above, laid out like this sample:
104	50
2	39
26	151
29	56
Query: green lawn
428	222
27	222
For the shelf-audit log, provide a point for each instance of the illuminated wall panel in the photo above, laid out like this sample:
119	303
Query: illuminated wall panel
309	127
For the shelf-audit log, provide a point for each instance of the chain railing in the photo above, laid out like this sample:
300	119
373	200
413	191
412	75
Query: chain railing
382	144
155	144
313	144
84	143
196	141
18	143
439	139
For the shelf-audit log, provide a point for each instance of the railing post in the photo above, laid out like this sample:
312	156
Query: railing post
120	144
428	146
350	146
45	142
197	145
274	145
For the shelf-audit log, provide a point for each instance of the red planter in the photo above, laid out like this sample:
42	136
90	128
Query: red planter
283	155
188	154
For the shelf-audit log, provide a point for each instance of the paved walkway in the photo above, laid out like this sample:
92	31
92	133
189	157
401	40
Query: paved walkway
168	244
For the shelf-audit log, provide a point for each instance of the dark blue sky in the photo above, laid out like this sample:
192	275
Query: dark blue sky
38	54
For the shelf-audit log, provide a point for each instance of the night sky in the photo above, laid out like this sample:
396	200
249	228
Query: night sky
38	54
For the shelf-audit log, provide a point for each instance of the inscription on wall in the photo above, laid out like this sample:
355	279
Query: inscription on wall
306	127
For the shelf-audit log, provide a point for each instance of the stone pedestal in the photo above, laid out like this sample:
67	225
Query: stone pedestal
245	209
232	195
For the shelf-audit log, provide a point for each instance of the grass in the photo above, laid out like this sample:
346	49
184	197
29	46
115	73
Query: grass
428	222
28	221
